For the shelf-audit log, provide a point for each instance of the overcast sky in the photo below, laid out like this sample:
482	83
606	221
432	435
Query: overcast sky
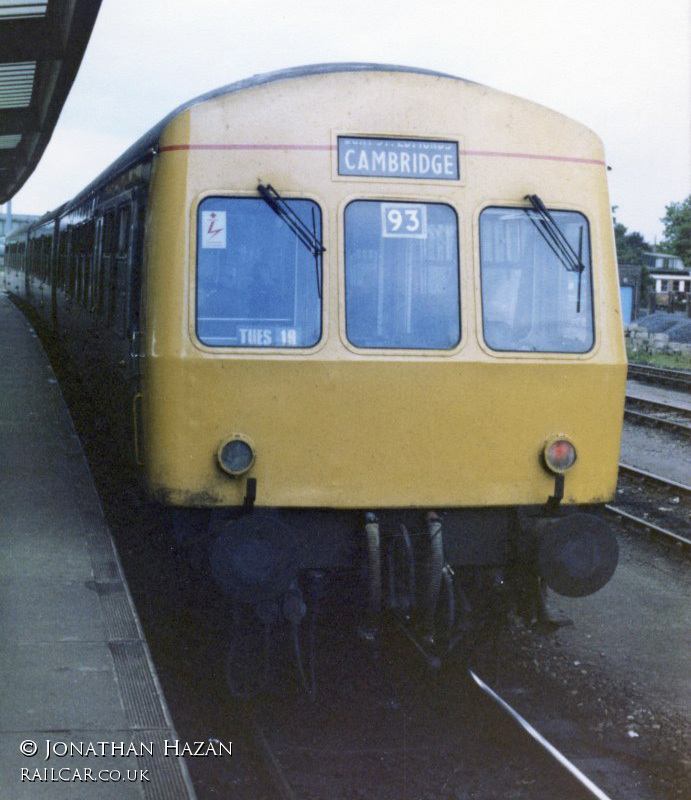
619	66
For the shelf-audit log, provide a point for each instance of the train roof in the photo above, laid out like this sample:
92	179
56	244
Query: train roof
146	145
151	138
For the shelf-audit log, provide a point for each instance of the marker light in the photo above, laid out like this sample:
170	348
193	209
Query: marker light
235	456
559	454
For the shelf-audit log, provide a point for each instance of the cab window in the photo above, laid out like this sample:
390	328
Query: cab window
401	275
534	296
258	285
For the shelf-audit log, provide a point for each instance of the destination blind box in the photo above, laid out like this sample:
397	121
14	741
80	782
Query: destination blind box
422	159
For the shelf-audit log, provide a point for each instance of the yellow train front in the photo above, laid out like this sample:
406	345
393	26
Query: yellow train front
384	291
368	319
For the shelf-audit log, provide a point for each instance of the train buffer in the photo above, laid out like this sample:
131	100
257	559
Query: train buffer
82	714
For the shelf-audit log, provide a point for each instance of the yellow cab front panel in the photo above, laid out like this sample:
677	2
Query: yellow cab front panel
338	421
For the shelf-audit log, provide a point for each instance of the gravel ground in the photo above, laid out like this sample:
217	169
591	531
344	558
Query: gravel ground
656	451
643	638
658	393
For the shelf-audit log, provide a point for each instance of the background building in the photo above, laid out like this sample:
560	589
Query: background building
8	222
670	282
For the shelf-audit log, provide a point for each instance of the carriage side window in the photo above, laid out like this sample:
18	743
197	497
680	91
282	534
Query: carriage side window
46	257
257	283
82	258
113	269
532	298
120	274
77	261
107	263
61	277
401	275
32	265
71	261
86	250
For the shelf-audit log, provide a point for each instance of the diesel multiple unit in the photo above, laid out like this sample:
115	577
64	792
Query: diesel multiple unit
357	317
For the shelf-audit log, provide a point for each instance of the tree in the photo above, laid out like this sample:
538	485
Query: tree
630	246
677	236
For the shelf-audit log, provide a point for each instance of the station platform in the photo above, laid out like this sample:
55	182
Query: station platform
82	714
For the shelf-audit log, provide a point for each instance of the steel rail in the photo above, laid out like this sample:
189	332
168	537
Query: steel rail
657	406
267	757
644	523
664	483
680	379
584	781
658	422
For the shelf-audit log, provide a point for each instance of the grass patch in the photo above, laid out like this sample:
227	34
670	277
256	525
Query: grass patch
668	360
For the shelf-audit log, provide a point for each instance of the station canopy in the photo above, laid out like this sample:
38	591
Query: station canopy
41	48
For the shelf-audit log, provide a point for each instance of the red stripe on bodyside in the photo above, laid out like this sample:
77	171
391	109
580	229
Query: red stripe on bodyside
330	147
540	156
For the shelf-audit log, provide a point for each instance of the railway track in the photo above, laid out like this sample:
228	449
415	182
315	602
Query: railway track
659	415
586	786
672	378
649	502
265	759
672	487
540	755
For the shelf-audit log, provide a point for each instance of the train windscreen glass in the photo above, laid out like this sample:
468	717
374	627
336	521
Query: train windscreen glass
536	281
401	275
257	283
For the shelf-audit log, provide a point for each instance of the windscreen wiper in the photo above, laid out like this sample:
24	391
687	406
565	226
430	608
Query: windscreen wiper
557	241
308	237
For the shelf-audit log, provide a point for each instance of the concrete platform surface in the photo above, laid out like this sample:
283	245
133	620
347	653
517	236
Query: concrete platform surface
82	714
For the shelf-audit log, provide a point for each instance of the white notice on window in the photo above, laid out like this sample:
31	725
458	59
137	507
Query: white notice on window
406	220
213	229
